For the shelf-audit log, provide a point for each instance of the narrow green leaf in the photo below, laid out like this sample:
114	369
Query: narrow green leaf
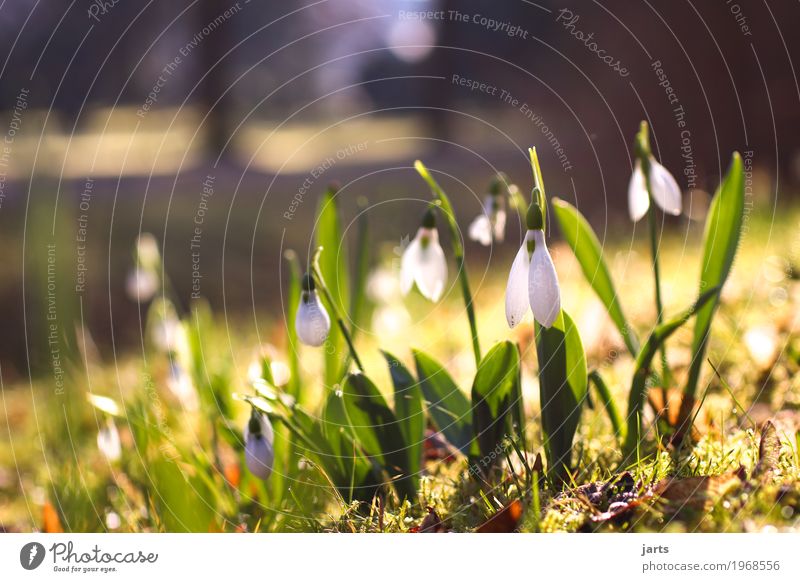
587	249
358	293
333	267
409	410
722	233
292	305
562	390
642	369
494	392
448	408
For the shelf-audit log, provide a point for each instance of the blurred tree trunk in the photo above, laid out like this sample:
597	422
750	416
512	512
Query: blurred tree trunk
213	96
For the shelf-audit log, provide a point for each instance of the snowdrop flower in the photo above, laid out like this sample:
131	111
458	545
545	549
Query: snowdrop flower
423	261
141	284
533	281
143	280
259	453
491	224
108	441
180	384
312	321
665	190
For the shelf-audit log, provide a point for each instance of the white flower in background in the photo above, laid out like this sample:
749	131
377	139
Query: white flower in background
312	321
666	192
533	281
382	285
259	453
491	224
277	369
182	387
141	285
143	281
108	441
423	262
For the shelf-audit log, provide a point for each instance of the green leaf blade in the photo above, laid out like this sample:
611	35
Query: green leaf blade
587	249
562	385
721	239
409	410
448	407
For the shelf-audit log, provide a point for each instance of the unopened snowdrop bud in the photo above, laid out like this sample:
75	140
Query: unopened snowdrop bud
532	281
423	261
259	452
108	441
490	225
312	321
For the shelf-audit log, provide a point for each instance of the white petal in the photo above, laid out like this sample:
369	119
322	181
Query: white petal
259	452
638	200
408	264
481	230
108	441
425	264
543	290
141	284
312	321
500	226
431	275
666	191
517	288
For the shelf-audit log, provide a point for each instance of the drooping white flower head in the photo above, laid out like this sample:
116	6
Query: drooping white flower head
108	441
312	321
180	384
533	281
665	190
423	262
141	284
259	452
491	224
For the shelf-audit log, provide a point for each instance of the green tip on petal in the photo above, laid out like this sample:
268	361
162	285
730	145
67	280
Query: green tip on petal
308	283
642	143
535	218
429	218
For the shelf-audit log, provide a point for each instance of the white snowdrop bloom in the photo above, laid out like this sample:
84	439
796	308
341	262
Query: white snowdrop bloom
666	192
491	224
312	321
168	334
147	253
259	452
182	387
141	284
532	281
108	441
424	263
382	286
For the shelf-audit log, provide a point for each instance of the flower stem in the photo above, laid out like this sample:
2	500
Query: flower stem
458	253
320	283
654	247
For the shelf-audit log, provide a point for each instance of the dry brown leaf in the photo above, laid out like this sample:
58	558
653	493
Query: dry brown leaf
432	523
699	493
504	521
769	451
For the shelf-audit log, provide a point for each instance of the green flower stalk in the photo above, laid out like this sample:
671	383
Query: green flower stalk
458	253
